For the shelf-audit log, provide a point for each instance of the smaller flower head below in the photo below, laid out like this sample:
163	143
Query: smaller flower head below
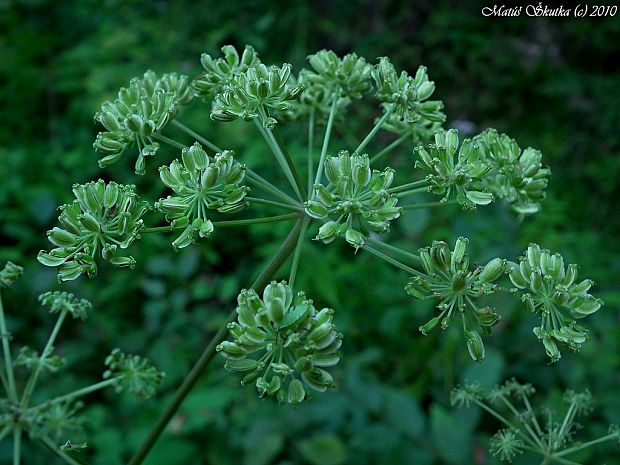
551	289
138	113
516	177
356	201
347	77
219	72
201	184
103	218
453	171
132	373
449	277
9	274
283	343
506	445
65	302
407	96
254	93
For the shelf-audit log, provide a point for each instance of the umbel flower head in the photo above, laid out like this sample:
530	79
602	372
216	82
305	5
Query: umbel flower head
515	176
219	72
449	277
132	373
65	302
253	93
102	219
506	444
139	112
9	274
201	184
348	77
454	171
355	202
283	343
407	96
551	289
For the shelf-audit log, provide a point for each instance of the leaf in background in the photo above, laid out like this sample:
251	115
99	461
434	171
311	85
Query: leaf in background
323	449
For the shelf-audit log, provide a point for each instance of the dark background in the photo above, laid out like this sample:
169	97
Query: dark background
552	83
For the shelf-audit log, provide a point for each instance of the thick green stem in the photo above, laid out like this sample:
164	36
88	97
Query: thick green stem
79	393
390	147
268	219
400	195
17	445
585	445
262	183
297	254
275	204
310	150
205	358
415	206
374	130
5	432
196	136
8	361
274	134
279	156
389	259
158	229
32	381
168	141
409	185
326	137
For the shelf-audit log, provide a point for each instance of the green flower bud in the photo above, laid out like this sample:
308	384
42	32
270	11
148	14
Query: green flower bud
10	273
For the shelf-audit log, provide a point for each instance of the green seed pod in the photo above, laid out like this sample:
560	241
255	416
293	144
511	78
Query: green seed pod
533	256
296	392
123	262
354	238
460	248
89	222
492	270
427	261
316	209
514	273
328	232
475	346
429	325
245	364
551	349
61	238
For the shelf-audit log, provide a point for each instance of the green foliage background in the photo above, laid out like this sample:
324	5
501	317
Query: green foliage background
550	83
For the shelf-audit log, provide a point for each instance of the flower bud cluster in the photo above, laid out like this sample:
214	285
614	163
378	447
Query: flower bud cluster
132	373
449	277
356	201
219	72
140	111
408	95
290	342
516	177
201	184
104	218
59	302
9	274
251	94
551	289
348	77
453	171
489	166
